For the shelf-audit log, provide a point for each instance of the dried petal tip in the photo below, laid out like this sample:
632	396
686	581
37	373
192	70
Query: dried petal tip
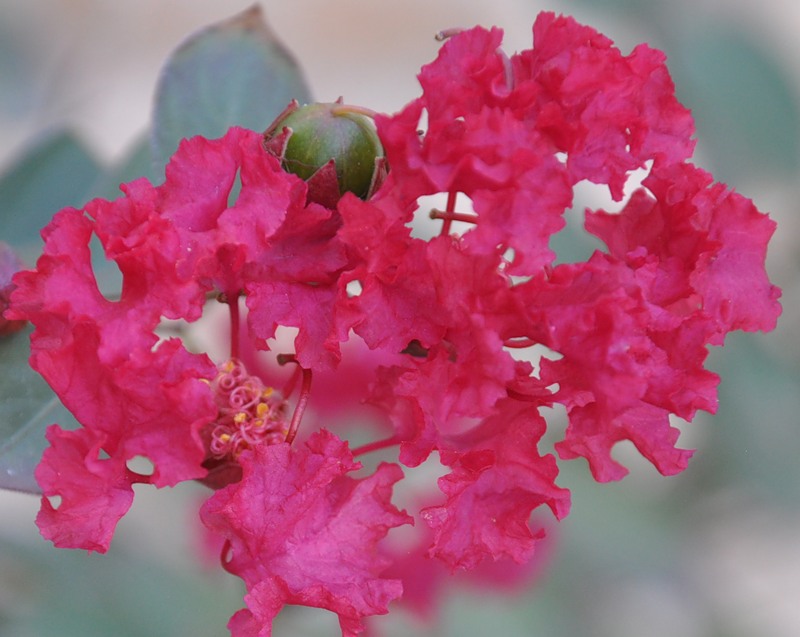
332	146
446	34
10	264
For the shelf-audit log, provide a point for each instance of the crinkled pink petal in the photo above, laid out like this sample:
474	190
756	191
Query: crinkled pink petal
94	493
463	375
294	283
400	135
396	303
428	582
496	481
311	308
471	287
198	198
709	245
301	531
609	113
100	357
518	188
466	74
623	366
429	399
646	426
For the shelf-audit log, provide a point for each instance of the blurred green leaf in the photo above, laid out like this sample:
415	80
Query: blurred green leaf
138	162
754	433
235	72
27	407
746	113
55	173
17	92
123	593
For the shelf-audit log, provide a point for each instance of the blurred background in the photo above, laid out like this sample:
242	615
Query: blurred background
714	552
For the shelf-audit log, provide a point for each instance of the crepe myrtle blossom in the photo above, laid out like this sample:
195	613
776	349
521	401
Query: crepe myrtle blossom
432	324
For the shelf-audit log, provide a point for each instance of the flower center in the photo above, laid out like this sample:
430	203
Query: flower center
250	413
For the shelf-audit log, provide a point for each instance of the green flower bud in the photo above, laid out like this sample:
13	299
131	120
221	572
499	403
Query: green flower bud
333	147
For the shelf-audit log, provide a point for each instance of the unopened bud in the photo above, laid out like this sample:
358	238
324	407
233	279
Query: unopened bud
333	147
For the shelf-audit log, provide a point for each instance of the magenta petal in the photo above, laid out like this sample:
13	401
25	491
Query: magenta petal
95	493
301	531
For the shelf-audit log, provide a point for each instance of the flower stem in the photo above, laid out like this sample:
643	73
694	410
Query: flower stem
378	444
449	215
233	305
302	402
291	383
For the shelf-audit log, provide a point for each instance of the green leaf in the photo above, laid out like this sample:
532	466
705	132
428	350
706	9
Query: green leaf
17	65
55	173
138	162
27	407
132	591
754	434
746	112
235	72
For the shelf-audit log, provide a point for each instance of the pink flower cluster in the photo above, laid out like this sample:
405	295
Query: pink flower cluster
445	329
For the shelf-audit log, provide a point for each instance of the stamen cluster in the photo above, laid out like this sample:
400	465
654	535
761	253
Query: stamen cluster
250	413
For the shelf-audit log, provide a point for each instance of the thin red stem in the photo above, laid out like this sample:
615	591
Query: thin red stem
233	305
451	206
449	217
302	402
378	444
288	388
